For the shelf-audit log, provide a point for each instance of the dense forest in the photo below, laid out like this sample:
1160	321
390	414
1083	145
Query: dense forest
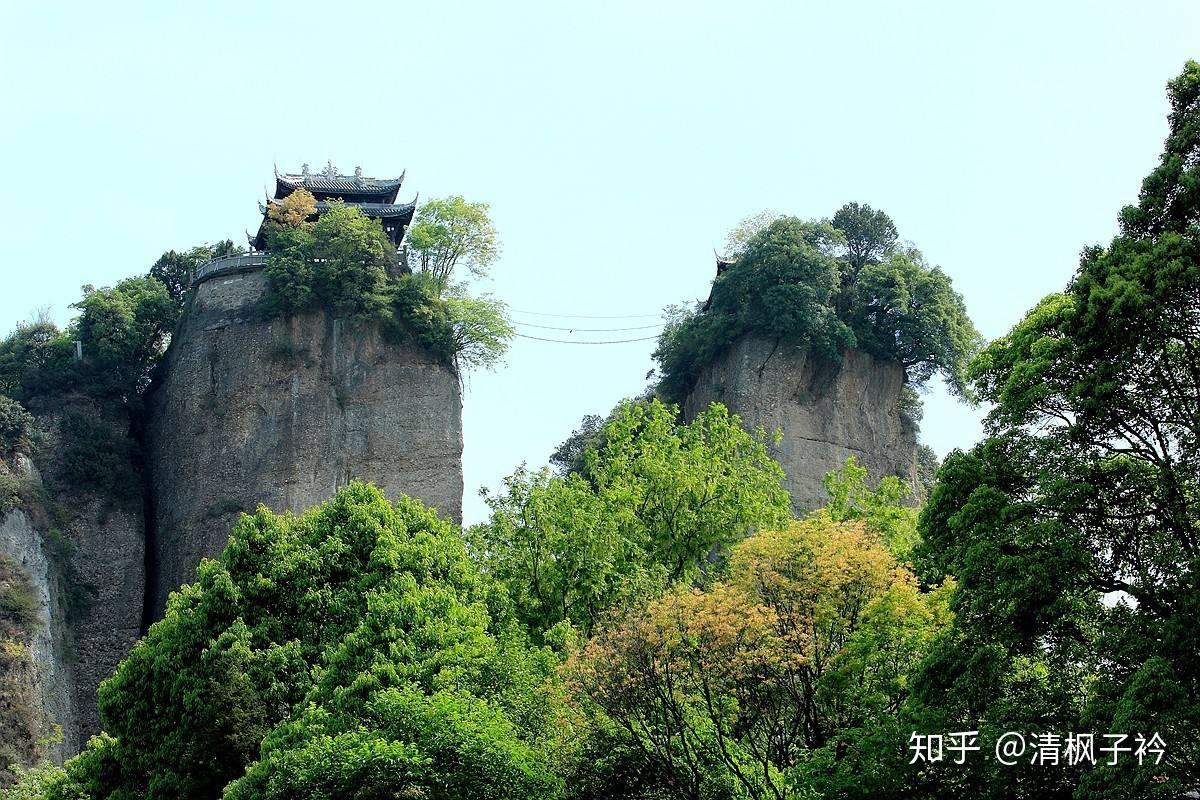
648	620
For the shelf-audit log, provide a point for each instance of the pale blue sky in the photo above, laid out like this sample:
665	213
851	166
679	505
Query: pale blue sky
616	142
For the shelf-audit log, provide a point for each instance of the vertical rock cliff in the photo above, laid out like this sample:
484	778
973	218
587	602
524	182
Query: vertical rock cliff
77	535
826	413
283	411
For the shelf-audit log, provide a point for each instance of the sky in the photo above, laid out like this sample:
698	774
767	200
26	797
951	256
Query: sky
616	144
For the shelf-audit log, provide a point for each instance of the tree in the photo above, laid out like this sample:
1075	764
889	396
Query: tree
450	233
481	331
739	238
1087	486
36	360
883	509
294	210
870	235
906	313
658	500
123	331
175	270
17	427
344	652
340	262
568	456
786	680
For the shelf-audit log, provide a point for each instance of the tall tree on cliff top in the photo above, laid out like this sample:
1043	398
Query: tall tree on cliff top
449	234
1087	486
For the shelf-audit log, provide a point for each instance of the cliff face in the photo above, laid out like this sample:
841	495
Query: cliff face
74	544
826	414
283	411
36	684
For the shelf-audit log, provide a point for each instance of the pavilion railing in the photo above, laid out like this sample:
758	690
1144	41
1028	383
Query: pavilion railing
229	265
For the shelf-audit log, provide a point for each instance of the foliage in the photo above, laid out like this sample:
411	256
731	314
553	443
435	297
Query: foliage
345	262
741	234
481	331
870	235
927	467
347	649
16	427
298	207
568	457
175	270
783	681
124	331
825	287
658	501
36	360
341	262
883	510
905	312
22	723
449	233
94	452
1086	487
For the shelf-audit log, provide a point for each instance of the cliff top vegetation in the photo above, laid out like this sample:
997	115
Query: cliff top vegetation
828	285
344	261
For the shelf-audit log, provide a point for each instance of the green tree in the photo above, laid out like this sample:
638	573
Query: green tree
16	427
659	499
481	331
568	456
450	233
124	331
176	269
870	235
906	313
883	509
1086	487
344	652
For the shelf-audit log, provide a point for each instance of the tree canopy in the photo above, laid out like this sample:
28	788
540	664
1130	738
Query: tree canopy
825	286
1073	527
655	500
345	652
345	262
449	234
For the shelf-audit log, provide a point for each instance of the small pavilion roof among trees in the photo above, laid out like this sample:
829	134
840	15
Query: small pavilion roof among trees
375	197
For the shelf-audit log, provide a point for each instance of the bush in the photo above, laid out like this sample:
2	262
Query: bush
16	427
98	455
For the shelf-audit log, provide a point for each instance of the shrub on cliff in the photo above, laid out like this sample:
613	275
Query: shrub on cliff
16	427
344	652
345	262
825	286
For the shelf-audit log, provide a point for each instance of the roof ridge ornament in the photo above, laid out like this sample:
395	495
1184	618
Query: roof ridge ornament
358	174
329	172
304	169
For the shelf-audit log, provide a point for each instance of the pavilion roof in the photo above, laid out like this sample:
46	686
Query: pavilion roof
373	210
328	181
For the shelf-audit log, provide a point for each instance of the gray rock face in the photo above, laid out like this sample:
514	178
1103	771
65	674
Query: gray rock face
50	687
826	414
282	412
87	577
103	571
